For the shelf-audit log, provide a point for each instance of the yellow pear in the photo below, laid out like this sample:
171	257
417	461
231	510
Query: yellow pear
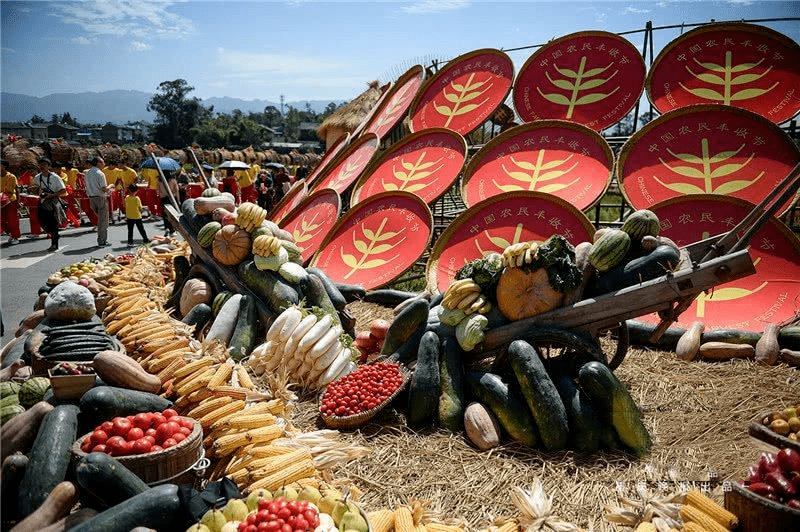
287	492
310	494
326	505
353	521
339	509
197	527
214	520
235	510
255	496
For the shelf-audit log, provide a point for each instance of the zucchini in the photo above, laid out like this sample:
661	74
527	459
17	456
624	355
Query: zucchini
540	395
337	298
425	387
407	352
244	334
451	377
317	296
199	316
15	350
107	480
14	467
616	406
506	404
404	325
225	322
388	297
155	508
49	457
584	425
103	403
351	292
655	264
269	286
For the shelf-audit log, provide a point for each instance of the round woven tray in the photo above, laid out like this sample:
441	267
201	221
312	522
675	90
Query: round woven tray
351	422
757	513
763	433
158	466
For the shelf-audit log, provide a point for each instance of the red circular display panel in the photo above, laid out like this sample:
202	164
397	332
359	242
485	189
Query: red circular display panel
425	163
377	240
498	222
705	149
328	157
743	65
348	165
395	103
464	93
558	157
769	296
312	219
289	201
593	78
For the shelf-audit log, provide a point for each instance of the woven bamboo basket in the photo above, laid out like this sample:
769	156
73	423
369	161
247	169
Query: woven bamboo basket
357	420
763	433
759	514
173	464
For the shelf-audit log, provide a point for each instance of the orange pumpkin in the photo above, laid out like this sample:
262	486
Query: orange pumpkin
231	245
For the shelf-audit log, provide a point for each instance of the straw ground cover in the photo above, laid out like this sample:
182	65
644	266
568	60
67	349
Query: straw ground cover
697	412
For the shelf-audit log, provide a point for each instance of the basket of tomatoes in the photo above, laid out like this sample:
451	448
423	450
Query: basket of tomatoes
156	446
356	398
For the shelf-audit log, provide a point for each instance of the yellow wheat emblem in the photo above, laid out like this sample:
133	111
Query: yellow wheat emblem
370	247
306	230
531	174
411	172
500	242
344	175
460	95
726	77
393	107
707	168
576	82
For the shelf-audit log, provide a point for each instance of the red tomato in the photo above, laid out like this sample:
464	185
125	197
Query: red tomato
86	445
310	515
185	431
99	436
262	504
286	528
158	419
106	426
163	432
121	426
99	449
186	423
127	448
284	513
169	442
142	420
134	434
262	526
115	445
156	448
151	439
273	526
169	412
251	528
141	446
261	515
150	432
178	437
300	523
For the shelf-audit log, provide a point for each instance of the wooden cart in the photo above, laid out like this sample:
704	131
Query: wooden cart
574	329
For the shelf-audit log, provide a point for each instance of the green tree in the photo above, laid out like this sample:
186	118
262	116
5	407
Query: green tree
36	119
66	118
176	114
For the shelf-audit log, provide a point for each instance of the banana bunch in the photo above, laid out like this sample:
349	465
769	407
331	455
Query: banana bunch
266	245
249	216
517	255
465	295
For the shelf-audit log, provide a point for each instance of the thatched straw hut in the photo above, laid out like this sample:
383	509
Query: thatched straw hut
348	117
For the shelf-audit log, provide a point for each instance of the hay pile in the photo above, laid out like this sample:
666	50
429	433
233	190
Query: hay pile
697	412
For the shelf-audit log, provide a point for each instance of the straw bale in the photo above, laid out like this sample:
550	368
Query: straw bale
81	157
20	158
111	153
697	412
249	154
349	116
58	152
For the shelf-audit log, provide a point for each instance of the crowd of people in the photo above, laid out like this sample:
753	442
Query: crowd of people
106	192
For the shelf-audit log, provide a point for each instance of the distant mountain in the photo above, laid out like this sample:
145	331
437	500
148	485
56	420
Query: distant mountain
120	106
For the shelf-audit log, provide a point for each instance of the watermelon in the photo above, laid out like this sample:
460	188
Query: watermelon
641	223
610	249
205	237
9	400
7	412
32	391
8	388
210	192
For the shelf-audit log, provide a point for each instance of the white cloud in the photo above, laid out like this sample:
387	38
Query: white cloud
740	2
139	19
139	46
630	10
434	6
237	64
83	40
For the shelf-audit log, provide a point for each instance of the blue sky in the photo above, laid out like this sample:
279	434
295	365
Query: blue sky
305	49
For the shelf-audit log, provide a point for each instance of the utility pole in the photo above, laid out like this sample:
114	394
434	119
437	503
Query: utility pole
281	104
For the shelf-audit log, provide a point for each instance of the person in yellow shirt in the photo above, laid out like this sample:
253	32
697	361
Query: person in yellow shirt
245	180
73	208
152	200
72	176
127	175
115	199
133	213
9	212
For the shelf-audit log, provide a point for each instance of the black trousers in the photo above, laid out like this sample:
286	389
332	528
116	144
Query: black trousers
139	225
48	221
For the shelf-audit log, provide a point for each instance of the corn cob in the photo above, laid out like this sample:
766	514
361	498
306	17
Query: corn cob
695	515
264	451
441	527
294	472
228	444
158	364
193	366
508	526
185	388
244	421
262	467
231	391
403	519
693	527
244	378
221	376
208	406
220	413
308	482
218	471
179	344
381	520
707	505
646	526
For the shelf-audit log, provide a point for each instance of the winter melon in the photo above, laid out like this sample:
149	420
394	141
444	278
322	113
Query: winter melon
9	388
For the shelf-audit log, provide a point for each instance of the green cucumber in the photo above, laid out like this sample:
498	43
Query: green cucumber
244	334
13	472
351	292
584	425
155	508
451	376
616	406
107	480
335	295
199	316
49	457
540	395
317	296
180	267
103	403
388	297
404	325
425	387
506	403
269	286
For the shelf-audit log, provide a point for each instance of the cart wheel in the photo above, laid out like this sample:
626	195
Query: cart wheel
565	348
623	342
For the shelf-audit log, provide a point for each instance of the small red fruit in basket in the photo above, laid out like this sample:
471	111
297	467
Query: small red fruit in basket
141	446
121	426
143	420
789	460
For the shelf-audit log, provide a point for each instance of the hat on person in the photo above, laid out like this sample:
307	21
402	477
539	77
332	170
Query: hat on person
132	187
44	160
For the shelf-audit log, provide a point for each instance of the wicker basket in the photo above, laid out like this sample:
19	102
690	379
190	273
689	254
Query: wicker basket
763	433
759	514
67	387
351	422
174	464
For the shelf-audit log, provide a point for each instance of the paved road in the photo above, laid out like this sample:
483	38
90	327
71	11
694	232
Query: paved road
24	267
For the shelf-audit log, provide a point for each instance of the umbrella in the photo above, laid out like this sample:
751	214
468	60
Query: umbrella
277	166
166	163
236	165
